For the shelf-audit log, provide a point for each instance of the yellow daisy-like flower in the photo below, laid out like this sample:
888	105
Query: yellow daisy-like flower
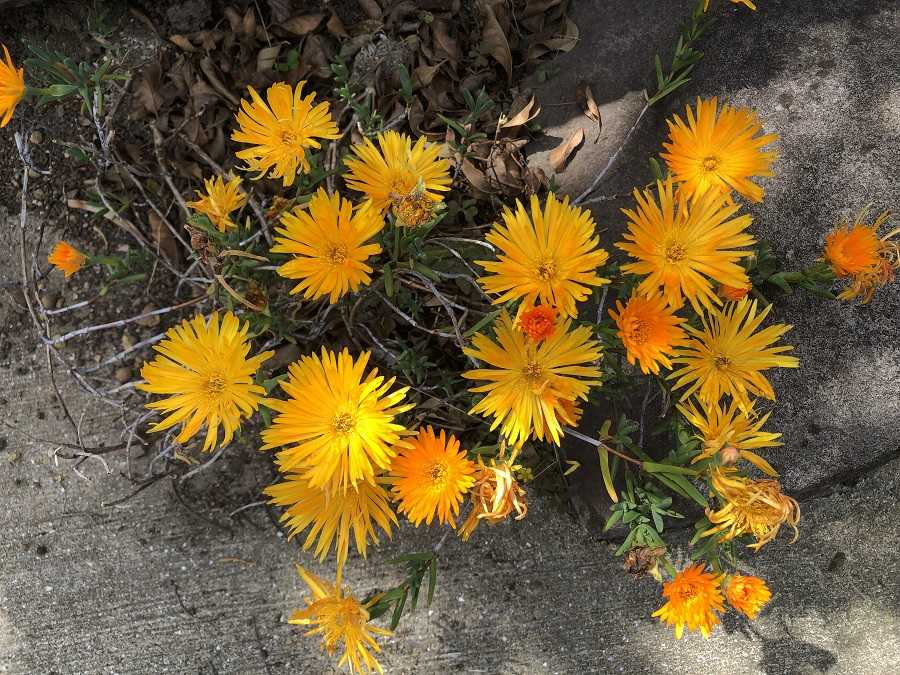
12	87
281	130
328	242
747	594
399	174
730	433
684	246
220	200
66	258
728	356
495	495
337	425
331	516
527	380
649	329
750	507
551	256
342	621
694	596
718	150
431	476
203	367
856	251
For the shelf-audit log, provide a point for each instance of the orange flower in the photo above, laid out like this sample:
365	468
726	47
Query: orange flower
694	596
649	329
538	323
12	87
733	293
748	595
856	251
66	258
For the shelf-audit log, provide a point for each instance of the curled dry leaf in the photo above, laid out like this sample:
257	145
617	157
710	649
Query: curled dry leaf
493	38
560	157
301	25
524	116
370	8
589	107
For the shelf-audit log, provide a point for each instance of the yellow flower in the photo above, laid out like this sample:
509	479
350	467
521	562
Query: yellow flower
338	422
342	621
718	150
746	594
430	477
495	495
328	242
728	356
526	380
683	246
731	433
856	251
649	329
331	516
203	366
551	256
66	258
694	596
399	174
281	131
12	87
750	507
220	200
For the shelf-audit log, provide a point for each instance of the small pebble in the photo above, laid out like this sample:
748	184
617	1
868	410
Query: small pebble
36	137
128	340
123	375
149	321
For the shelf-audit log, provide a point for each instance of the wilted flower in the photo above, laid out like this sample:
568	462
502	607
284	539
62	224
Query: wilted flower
855	251
750	507
342	621
495	495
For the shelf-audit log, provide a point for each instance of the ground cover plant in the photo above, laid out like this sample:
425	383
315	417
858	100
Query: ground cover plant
366	207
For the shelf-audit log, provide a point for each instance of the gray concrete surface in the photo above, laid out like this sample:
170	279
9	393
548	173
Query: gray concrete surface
151	587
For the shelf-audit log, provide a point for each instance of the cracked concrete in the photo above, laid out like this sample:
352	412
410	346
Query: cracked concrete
150	587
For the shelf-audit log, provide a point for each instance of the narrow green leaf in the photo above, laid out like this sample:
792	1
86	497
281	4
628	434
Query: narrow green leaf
657	467
398	610
388	280
432	579
603	453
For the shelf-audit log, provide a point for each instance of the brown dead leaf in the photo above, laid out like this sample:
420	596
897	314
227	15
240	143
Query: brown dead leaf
336	27
443	42
476	177
266	58
370	8
493	38
182	42
524	116
565	40
589	107
162	238
560	157
301	25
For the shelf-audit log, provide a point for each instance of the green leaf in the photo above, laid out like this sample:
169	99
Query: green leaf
432	579
612	520
484	321
688	487
603	453
398	610
388	273
657	467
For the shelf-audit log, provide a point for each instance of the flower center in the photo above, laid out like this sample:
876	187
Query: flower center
289	138
336	254
534	376
722	361
675	253
639	332
437	474
710	163
342	423
413	209
687	592
546	270
215	384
